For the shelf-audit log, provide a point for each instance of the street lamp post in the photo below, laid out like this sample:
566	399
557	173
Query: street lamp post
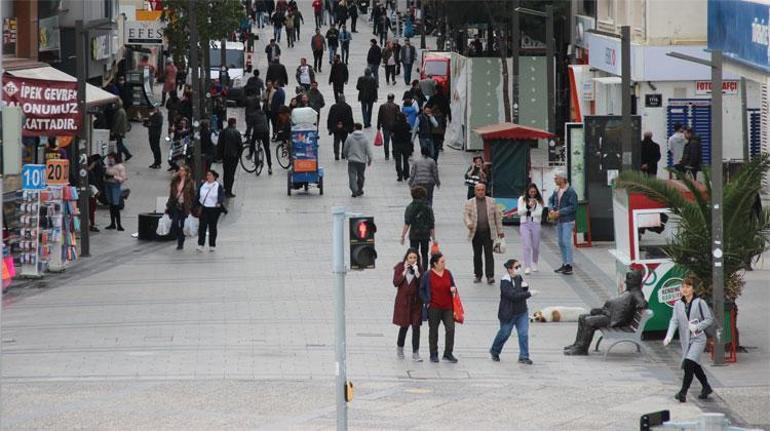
717	252
549	61
515	45
195	80
80	150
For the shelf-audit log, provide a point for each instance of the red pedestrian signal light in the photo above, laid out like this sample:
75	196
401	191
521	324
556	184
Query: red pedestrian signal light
362	251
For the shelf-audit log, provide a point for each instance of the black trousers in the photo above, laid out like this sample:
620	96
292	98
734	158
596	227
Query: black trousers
390	74
338	89
339	142
155	148
317	60
402	163
423	247
353	20
587	325
264	138
229	166
436	316
692	368
415	337
208	220
482	242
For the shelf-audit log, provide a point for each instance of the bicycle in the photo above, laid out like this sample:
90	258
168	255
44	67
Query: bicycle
282	153
252	160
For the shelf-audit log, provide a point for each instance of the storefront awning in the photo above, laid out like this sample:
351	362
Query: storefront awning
511	131
609	80
95	96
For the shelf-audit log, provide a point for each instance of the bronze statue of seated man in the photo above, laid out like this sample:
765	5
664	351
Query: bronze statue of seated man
616	312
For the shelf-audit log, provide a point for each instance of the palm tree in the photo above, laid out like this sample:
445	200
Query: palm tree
746	231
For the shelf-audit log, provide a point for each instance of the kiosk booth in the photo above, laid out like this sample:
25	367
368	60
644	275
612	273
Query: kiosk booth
642	227
507	154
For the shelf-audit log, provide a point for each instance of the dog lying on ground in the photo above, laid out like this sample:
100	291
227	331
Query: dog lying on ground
558	314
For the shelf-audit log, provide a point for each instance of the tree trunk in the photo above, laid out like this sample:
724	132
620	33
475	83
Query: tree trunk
502	50
207	101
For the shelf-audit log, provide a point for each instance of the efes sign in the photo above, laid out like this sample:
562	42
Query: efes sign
741	29
144	32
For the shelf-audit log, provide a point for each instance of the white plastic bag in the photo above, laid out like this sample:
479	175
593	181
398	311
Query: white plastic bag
164	225
499	246
190	226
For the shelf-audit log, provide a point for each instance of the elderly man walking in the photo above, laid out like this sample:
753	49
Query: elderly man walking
484	221
359	156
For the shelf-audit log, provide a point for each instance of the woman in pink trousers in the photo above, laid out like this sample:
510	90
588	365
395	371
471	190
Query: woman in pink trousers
530	210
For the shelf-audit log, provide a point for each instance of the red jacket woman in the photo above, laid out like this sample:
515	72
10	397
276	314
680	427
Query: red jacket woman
407	310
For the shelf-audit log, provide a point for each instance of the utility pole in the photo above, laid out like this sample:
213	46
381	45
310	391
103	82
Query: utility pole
718	269
744	120
195	80
80	148
515	46
625	88
717	252
340	343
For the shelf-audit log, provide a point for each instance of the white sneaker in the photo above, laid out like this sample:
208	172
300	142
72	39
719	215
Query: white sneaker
534	267
526	271
212	249
199	248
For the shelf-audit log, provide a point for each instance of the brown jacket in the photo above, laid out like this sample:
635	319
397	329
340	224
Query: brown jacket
188	195
407	309
494	215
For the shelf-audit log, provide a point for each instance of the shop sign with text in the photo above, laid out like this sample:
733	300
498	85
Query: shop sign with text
704	87
50	107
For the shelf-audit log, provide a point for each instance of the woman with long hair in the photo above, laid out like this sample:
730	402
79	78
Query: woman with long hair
181	195
210	200
530	210
407	310
691	317
115	176
437	290
475	174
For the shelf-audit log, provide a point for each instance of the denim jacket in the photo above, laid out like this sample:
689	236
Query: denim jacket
567	206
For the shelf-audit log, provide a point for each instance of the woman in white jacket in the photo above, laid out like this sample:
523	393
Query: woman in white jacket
530	210
691	317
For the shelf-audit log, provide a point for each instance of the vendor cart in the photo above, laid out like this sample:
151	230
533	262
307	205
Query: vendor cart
304	169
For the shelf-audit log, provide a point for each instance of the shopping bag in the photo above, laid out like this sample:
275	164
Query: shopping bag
164	225
190	226
499	246
457	308
434	248
378	139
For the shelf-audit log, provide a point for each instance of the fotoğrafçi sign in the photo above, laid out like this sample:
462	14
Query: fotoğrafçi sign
50	107
741	29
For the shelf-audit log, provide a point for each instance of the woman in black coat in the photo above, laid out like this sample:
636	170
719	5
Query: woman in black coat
514	292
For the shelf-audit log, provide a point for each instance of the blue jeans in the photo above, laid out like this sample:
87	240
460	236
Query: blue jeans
521	322
564	232
332	53
366	112
375	69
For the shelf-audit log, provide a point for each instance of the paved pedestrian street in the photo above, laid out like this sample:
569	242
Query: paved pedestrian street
141	336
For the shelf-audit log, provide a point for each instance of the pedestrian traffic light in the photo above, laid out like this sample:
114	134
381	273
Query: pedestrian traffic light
362	251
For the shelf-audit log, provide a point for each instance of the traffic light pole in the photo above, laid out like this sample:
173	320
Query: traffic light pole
340	336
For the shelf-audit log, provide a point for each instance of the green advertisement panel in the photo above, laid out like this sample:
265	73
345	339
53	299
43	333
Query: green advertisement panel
533	92
485	87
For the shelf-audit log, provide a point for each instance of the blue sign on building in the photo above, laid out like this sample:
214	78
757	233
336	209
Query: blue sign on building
741	29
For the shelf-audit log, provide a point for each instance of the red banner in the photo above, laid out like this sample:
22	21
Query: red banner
50	107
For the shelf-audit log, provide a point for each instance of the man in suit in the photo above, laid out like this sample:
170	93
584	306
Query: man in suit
484	221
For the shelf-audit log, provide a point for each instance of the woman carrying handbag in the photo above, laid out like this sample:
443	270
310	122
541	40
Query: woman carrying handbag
691	317
209	204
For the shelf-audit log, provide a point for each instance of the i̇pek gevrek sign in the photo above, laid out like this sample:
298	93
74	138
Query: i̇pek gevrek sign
50	107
